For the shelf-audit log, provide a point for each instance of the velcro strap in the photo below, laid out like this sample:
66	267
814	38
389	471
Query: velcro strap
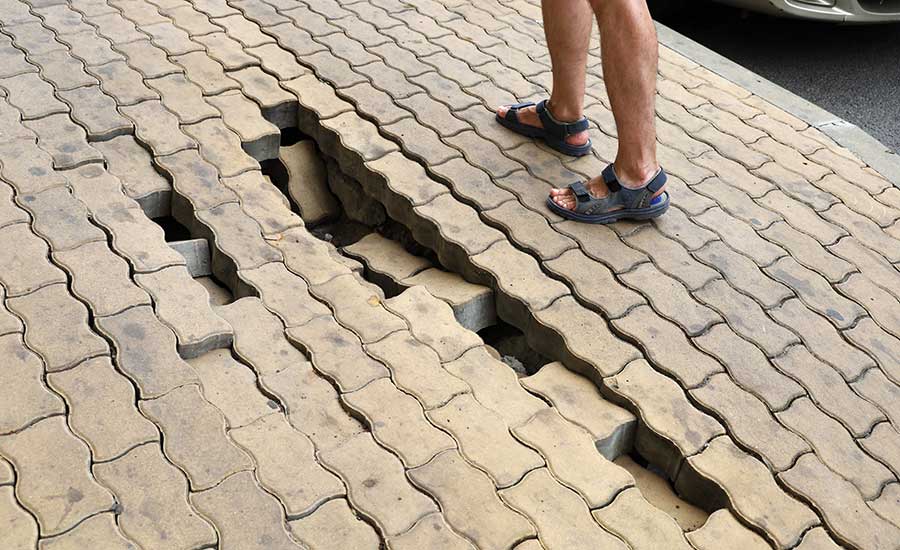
556	128
658	181
611	180
580	191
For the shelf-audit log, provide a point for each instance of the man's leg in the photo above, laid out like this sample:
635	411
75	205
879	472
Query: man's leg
629	50
567	26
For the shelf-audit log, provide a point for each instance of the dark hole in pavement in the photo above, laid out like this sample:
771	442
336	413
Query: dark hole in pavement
174	231
513	348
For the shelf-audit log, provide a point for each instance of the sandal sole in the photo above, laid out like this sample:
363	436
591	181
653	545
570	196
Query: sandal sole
611	217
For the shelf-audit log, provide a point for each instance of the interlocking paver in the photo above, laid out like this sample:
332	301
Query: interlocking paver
26	397
27	268
807	251
398	422
133	166
54	480
672	258
183	305
881	305
430	532
815	292
222	147
858	200
115	27
9	323
470	503
194	437
91	48
334	525
152	493
259	137
101	278
880	390
865	230
841	505
835	447
278	106
32	96
741	273
20	529
359	308
593	282
157	127
60	218
245	516
96	112
869	263
720	526
884	444
62	70
183	98
868	336
101	408
851	170
98	531
639	523
284	293
379	489
286	464
259	338
231	387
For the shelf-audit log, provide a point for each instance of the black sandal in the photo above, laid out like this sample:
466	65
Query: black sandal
621	203
554	132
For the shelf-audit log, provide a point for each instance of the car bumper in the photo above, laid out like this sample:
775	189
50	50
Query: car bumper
839	11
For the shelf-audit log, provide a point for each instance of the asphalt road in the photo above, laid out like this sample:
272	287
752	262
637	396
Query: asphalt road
851	71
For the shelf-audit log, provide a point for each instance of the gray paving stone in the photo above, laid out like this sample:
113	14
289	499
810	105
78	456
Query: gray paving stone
101	279
183	98
157	127
32	37
231	387
816	293
91	48
335	524
138	239
227	51
62	70
123	83
133	165
60	219
259	137
32	96
24	391
96	112
147	59
278	106
264	203
113	26
27	267
65	141
284	293
221	147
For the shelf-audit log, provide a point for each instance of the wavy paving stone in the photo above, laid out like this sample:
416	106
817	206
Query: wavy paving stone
398	422
54	480
470	503
667	347
60	69
138	239
864	230
879	344
26	267
335	525
562	519
639	523
183	98
244	515
484	439
671	299
835	447
278	106
194	436
870	263
430	532
808	252
286	464
337	352
880	390
723	526
750	422
231	388
11	127
884	443
671	258
259	137
312	406
239	243
101	278
843	509
222	147
110	23
285	294
91	48
97	113
751	490
379	489
353	141
20	529
147	59
259	338
133	166
386	259
123	83
57	327
307	181
9	323
183	305
309	257
101	408
359	308
593	282
157	127
880	304
749	367
153	497
32	96
14	60
671	427
816	293
817	539
25	396
95	532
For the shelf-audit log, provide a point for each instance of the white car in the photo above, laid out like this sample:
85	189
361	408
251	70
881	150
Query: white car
839	11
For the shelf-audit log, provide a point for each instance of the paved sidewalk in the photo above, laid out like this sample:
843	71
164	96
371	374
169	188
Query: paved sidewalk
747	343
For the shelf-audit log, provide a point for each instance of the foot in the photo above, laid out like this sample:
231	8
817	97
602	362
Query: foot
529	116
597	188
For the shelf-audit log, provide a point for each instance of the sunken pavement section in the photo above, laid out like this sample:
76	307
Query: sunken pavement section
747	344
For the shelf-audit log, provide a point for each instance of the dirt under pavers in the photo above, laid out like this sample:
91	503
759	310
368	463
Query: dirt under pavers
746	346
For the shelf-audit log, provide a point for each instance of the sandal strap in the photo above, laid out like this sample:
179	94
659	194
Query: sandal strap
512	110
558	129
619	196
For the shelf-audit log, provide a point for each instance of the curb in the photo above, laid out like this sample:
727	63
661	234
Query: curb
870	150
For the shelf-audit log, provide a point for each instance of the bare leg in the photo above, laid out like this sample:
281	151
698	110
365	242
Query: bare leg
567	26
629	50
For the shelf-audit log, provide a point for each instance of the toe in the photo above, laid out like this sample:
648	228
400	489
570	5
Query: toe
502	110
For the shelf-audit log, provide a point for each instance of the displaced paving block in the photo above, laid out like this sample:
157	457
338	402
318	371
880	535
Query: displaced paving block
416	369
139	240
54	479
222	147
337	352
573	459
671	427
197	260
432	322
334	525
355	203
146	351
101	278
56	327
278	106
194	437
231	387
259	137
101	408
470	503
397	422
723	527
286	464
22	389
496	386
133	165
26	267
157	127
97	113
245	516
484	439
359	307
284	293
259	337
20	532
387	261
659	492
313	259
562	518
183	305
578	400
640	524
98	531
312	406
473	305
308	182
376	484
263	202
